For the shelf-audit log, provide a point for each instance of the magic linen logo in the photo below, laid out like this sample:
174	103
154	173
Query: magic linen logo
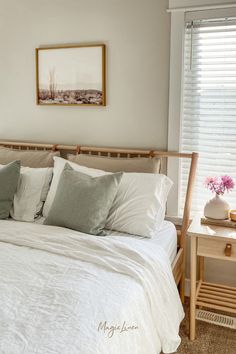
110	330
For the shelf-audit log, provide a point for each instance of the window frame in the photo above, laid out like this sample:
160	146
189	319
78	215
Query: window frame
178	21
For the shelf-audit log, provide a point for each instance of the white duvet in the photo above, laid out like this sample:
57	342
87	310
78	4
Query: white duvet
63	292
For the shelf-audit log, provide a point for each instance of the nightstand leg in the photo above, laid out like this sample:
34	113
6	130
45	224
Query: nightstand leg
193	271
201	272
201	268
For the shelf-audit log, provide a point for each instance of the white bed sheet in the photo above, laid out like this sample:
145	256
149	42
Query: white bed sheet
166	237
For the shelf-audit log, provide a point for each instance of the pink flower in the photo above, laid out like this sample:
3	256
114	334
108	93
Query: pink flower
220	184
208	180
228	182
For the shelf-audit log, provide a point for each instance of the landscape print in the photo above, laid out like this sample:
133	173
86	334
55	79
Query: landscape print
71	75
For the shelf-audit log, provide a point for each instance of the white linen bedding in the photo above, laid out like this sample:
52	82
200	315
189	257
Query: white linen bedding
64	292
166	237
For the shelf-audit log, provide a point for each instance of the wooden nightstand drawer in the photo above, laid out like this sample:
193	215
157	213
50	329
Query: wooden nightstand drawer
217	248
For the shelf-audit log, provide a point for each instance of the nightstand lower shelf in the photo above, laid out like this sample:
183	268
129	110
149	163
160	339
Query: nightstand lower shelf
216	296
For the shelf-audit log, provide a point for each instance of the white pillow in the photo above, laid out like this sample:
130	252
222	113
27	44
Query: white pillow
139	206
31	192
47	182
59	164
45	189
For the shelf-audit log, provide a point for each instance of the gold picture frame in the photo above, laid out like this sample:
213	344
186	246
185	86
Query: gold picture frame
71	75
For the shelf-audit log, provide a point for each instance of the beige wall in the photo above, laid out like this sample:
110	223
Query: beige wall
136	33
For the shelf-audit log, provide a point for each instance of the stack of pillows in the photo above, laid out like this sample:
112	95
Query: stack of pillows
24	184
84	199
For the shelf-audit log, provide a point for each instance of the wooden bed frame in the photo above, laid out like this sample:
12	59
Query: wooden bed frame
178	265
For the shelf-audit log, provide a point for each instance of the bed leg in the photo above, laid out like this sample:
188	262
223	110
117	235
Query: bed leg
182	287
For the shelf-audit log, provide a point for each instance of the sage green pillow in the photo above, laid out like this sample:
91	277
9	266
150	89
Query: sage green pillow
83	202
9	176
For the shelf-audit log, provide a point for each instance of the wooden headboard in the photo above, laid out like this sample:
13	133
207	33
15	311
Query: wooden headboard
118	153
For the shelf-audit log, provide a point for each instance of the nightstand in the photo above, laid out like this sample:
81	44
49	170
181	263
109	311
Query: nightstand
215	242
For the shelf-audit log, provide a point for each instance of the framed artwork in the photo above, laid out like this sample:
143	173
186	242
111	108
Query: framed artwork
71	75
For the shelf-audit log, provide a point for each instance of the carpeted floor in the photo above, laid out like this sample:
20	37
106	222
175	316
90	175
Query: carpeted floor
210	339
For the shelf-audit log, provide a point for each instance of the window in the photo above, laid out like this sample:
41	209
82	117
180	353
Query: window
209	103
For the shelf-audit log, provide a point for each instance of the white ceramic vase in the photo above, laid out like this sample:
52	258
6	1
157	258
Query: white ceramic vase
217	208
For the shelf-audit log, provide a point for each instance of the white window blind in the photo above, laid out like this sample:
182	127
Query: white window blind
209	104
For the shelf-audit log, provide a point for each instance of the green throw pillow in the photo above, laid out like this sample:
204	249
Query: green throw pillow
83	202
9	176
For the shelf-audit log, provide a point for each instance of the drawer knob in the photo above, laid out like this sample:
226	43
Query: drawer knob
228	249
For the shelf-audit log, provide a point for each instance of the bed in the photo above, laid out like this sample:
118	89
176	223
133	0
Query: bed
56	283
